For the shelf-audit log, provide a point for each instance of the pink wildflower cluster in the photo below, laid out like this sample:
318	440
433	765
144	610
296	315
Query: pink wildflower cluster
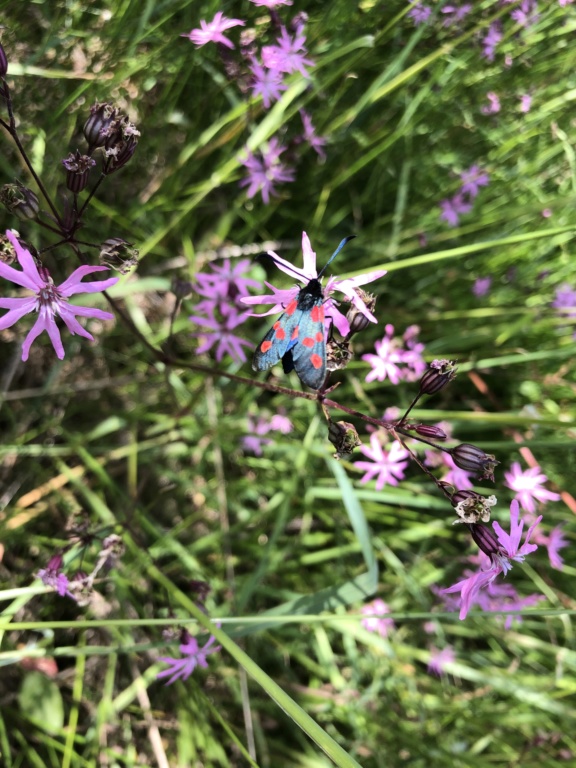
453	207
219	311
397	358
373	622
262	69
261	426
387	462
479	587
529	488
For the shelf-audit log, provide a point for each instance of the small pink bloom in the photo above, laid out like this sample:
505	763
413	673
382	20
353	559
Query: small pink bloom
211	31
49	300
374	624
439	659
493	104
528	485
387	466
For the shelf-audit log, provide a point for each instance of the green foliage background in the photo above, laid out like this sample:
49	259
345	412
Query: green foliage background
290	542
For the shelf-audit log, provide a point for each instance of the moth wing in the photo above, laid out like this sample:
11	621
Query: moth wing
277	341
309	353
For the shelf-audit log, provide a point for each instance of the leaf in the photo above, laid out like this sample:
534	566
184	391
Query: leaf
41	701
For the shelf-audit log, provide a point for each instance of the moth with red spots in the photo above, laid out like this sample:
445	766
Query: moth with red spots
298	337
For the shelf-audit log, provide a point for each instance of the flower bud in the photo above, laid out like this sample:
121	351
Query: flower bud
473	459
78	168
3	62
338	355
117	254
439	374
20	201
485	539
181	288
343	437
471	507
102	115
357	320
428	430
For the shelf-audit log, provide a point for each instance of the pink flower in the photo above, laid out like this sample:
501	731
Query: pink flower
49	300
392	361
267	83
194	656
528	486
211	32
289	55
493	104
525	102
481	286
554	542
220	333
387	466
453	207
316	142
455	13
262	426
472	180
439	659
271	3
372	623
493	37
265	171
509	548
280	298
419	13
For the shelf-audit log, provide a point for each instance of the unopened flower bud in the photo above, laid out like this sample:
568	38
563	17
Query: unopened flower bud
356	319
473	459
102	115
437	376
78	169
485	539
471	507
20	201
3	62
181	288
338	355
118	254
343	437
428	430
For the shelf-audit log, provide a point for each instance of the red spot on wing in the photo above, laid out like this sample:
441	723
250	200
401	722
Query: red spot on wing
319	336
291	308
317	314
276	325
308	342
265	346
316	361
280	333
295	332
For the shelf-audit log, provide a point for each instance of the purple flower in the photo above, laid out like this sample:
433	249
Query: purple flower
52	576
316	142
563	3
565	300
528	486
526	15
481	286
453	207
509	549
265	171
494	104
554	542
280	298
454	13
390	356
525	102
193	656
372	623
271	3
266	82
49	300
472	180
439	659
491	40
289	55
419	13
220	333
211	31
222	286
387	466
263	426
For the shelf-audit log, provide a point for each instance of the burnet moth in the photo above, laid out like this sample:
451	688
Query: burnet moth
298	337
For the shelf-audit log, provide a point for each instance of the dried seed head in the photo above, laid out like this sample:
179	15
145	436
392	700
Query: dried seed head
473	459
356	319
343	437
20	201
437	376
338	355
471	507
77	170
102	115
118	254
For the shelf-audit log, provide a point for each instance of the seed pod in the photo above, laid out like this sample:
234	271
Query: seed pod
473	459
343	437
439	374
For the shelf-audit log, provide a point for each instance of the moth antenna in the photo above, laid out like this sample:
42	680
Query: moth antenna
336	252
